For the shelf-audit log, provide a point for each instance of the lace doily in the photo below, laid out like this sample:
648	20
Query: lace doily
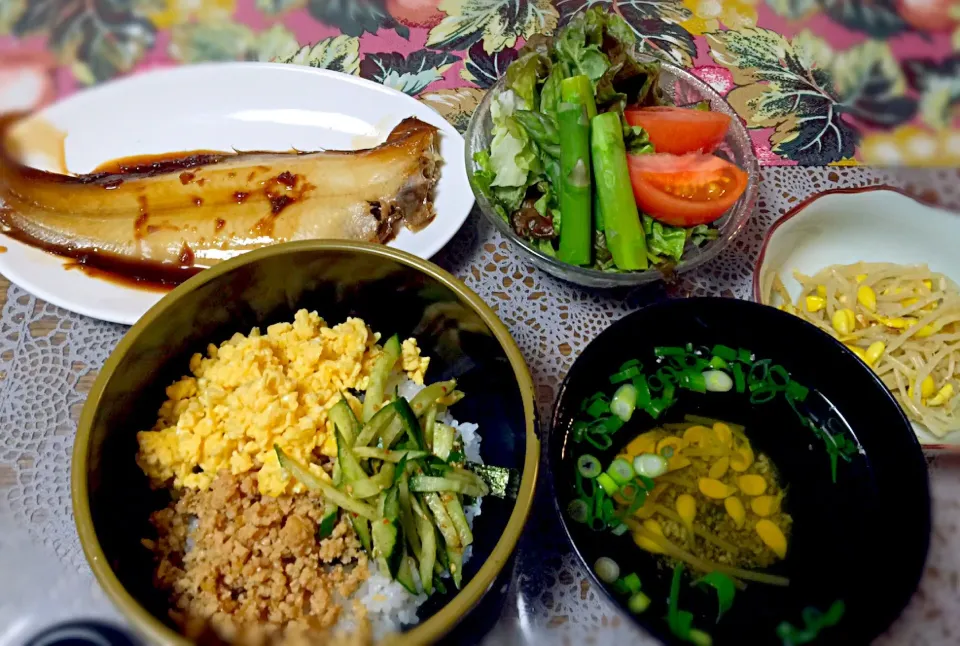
49	359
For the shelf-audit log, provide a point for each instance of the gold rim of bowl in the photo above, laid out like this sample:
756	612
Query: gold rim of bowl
447	617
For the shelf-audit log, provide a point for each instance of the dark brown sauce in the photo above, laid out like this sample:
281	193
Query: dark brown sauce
161	163
141	284
186	256
148	276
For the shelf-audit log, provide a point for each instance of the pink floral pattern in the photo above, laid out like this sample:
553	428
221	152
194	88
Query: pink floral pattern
818	81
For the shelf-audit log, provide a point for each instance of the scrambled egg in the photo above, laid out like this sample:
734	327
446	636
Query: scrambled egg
259	390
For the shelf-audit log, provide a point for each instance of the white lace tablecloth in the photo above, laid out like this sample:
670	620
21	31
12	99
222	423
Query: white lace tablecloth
50	357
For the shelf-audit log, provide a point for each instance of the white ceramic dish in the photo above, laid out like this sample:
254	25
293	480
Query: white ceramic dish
247	106
874	224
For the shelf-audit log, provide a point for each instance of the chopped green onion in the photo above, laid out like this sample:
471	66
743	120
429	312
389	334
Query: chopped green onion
619	530
579	428
718	381
637	502
669	374
667	452
656	407
578	510
624	402
598	407
643	391
606	512
691	361
609	484
724	352
779	376
725	588
611	424
669	351
638	603
699	638
625	375
607	569
632	581
629	490
797	392
669	391
655	383
673	605
739	382
762	396
589	400
718	364
745	356
589	466
694	381
646	482
621	472
650	465
759	374
620	587
602	441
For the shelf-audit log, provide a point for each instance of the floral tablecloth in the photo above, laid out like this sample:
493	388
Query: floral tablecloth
818	81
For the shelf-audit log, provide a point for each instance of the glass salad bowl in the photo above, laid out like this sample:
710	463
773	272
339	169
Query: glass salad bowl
682	88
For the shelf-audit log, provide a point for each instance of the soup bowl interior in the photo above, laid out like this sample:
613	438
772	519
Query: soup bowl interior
865	532
392	292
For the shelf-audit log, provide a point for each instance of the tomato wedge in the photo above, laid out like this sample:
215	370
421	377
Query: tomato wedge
680	130
685	190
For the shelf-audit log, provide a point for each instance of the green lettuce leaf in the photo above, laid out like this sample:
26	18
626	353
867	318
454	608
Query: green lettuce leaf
599	41
547	205
601	253
663	239
636	140
513	154
505	200
483	178
524	76
576	48
701	234
545	247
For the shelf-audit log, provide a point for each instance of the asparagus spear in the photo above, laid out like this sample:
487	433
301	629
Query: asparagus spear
579	89
621	220
576	235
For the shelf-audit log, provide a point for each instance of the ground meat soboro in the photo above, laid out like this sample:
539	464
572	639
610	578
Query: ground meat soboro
252	569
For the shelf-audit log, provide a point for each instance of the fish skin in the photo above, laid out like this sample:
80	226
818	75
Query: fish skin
224	205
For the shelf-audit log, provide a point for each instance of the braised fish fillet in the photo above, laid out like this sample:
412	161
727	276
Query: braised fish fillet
166	221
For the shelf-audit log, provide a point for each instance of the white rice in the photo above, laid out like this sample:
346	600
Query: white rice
389	605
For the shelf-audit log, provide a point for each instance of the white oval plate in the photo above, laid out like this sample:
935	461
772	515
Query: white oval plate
874	224
247	106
